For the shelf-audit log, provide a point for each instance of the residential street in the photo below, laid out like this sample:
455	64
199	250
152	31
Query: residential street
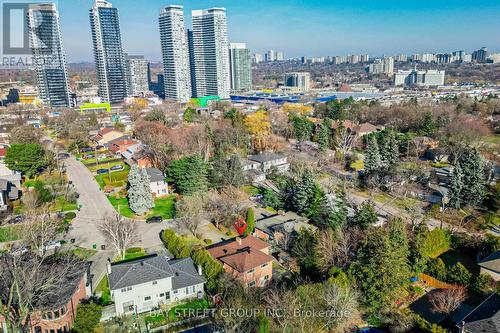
95	207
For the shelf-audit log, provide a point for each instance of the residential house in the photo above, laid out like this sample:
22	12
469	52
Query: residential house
157	183
8	192
247	259
367	128
58	312
136	154
120	145
491	266
485	318
145	283
106	135
276	227
265	162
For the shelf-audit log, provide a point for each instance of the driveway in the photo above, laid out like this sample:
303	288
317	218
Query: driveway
95	206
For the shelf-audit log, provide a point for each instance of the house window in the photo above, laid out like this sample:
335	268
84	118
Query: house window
123	290
251	284
129	288
56	314
266	277
63	310
38	329
194	289
251	271
155	282
175	292
167	295
162	294
59	330
263	265
49	315
147	298
187	290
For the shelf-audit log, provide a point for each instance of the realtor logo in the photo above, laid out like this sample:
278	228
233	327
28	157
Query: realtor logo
16	47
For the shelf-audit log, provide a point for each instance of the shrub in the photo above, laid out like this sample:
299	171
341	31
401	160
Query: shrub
70	215
176	245
134	250
212	269
87	318
459	274
250	222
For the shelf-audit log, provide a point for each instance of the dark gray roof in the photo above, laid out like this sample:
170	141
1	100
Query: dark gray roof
151	268
185	273
485	318
8	187
492	262
155	175
265	157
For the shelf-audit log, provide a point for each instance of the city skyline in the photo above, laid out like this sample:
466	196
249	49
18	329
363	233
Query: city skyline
384	28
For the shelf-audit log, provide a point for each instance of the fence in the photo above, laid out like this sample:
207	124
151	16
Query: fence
430	281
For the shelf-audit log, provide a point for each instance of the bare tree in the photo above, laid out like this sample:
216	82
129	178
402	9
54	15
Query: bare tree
39	230
327	249
225	207
29	282
283	240
344	139
120	233
190	210
449	299
340	301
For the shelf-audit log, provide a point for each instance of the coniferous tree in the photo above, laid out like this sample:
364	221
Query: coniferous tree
473	177
332	212
389	149
456	187
307	195
323	136
366	215
373	161
139	194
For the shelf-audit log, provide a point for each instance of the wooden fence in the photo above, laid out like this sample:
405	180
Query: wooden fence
430	281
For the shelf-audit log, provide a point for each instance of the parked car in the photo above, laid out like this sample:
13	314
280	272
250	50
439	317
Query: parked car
63	156
103	157
16	219
87	156
117	167
86	149
155	219
52	245
101	171
19	251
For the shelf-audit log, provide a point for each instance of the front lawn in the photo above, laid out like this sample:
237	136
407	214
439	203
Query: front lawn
164	207
94	168
134	252
62	205
115	179
121	206
9	234
82	253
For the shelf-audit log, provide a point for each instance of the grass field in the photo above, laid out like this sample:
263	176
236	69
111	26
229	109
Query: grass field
61	205
121	206
115	179
164	207
9	234
94	168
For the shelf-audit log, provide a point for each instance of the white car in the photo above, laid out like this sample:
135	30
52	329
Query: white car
54	245
19	251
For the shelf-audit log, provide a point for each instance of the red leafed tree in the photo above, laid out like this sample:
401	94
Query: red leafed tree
448	300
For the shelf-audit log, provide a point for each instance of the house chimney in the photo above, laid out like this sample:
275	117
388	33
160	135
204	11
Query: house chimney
238	240
108	266
200	271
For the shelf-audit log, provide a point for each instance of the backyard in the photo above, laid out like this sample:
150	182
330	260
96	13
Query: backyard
164	207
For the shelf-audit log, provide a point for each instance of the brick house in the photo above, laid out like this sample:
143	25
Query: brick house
121	144
247	259
58	312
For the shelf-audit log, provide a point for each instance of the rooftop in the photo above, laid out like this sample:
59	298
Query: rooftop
155	175
265	157
492	262
485	318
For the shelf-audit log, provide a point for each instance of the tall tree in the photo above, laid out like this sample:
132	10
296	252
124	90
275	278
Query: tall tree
28	158
188	174
332	211
303	127
323	135
366	215
139	194
373	160
121	234
307	195
456	187
474	177
389	149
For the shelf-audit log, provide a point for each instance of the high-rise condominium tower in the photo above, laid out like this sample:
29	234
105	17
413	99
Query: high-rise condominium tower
175	51
209	48
108	52
48	54
241	67
137	69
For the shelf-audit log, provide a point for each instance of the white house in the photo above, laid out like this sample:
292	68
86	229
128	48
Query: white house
265	161
157	183
145	283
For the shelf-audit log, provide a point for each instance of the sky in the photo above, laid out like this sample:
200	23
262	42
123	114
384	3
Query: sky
311	28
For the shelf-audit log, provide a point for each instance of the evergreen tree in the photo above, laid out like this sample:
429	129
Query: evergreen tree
380	271
332	212
323	136
459	274
389	149
307	195
428	126
250	222
398	238
235	171
218	170
366	215
373	161
303	127
189	174
456	187
139	194
28	158
473	177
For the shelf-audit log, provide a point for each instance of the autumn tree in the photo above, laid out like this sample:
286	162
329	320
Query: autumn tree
259	126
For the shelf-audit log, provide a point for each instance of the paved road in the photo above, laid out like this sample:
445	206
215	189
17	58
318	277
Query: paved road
95	207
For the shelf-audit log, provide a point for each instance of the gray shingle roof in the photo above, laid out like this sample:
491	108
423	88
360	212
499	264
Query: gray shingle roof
155	175
486	317
185	273
265	157
152	268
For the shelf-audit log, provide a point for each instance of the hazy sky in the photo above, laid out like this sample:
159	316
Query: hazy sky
311	28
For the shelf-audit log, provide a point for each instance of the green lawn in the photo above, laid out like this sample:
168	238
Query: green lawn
135	252
103	287
121	206
61	205
108	166
164	207
83	254
8	234
250	190
118	179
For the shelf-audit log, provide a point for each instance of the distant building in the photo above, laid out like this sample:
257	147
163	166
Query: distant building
419	78
108	52
280	56
270	56
209	50
382	66
175	51
143	284
241	67
299	80
266	161
49	59
137	75
480	55
158	86
257	58
365	58
401	58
